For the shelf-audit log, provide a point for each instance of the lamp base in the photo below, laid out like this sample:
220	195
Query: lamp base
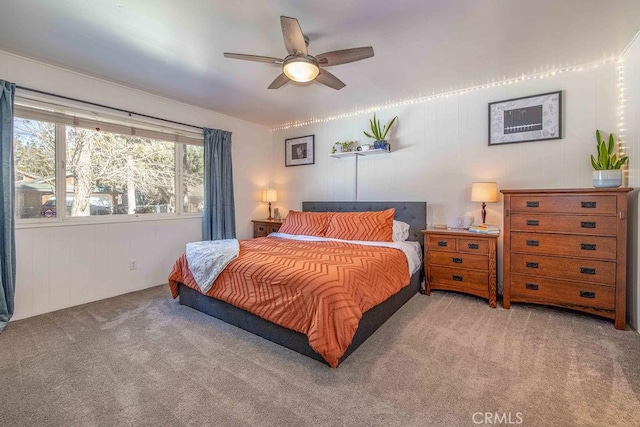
270	218
484	213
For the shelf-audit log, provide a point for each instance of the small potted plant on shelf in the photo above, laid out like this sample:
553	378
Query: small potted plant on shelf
379	133
343	147
607	166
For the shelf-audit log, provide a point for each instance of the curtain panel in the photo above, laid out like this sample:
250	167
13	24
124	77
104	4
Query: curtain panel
219	217
7	232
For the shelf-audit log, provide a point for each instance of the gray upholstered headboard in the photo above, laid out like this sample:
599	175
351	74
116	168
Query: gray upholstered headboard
413	213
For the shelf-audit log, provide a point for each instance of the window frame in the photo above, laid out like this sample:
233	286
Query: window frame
66	117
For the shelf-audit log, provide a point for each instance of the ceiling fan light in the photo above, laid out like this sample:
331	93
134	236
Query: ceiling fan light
301	69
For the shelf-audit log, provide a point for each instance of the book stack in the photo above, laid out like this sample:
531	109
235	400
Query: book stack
484	229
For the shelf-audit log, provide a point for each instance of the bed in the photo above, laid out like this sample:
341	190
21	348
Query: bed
413	213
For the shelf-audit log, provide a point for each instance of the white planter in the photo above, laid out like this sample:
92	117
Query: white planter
607	178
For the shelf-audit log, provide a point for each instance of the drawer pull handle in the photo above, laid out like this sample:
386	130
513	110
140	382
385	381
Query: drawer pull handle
457	260
457	278
588	224
533	204
261	228
585	294
588	246
531	286
533	222
532	265
588	205
533	243
442	243
585	270
473	246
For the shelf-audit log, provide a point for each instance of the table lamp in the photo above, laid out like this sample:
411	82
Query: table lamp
484	192
269	195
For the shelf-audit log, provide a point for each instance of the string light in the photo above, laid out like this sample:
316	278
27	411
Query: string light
423	99
621	102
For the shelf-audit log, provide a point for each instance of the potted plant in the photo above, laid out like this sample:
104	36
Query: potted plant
379	133
343	147
607	166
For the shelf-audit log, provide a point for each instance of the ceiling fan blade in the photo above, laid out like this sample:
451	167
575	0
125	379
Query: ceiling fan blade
256	58
338	57
328	79
293	37
279	81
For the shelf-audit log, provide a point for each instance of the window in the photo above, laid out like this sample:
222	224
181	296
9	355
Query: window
104	170
35	168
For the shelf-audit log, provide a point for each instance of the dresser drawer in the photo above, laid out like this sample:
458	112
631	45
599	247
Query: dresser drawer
459	260
462	279
578	204
561	291
473	246
565	245
442	243
575	224
584	270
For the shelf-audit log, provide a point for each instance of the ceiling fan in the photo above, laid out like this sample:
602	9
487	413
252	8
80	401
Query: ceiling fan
299	66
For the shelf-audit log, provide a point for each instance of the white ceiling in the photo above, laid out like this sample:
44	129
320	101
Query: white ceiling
174	48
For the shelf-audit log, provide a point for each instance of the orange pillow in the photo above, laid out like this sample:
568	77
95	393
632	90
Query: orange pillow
305	223
374	226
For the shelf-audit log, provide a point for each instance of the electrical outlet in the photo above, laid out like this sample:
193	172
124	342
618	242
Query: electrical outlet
133	264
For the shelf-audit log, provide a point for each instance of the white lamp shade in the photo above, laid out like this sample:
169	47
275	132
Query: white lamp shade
486	192
269	195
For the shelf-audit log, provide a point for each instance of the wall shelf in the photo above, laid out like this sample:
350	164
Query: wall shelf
359	153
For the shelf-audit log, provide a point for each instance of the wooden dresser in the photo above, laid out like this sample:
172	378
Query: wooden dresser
458	260
567	248
264	227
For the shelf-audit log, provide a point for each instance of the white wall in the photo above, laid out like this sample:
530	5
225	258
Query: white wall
440	147
630	133
62	266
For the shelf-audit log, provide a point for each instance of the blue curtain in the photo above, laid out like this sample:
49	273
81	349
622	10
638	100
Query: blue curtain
219	218
7	232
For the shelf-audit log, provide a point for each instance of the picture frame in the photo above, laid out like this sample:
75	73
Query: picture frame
299	151
526	119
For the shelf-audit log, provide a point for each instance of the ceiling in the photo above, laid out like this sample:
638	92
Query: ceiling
174	48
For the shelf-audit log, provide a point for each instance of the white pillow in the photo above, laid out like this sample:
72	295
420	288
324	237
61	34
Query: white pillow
400	231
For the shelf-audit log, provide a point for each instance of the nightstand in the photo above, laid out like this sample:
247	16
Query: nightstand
264	227
462	261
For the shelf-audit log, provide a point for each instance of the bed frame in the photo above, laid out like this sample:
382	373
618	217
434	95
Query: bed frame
413	213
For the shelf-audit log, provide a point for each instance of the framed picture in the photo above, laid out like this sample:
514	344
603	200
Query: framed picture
299	151
532	118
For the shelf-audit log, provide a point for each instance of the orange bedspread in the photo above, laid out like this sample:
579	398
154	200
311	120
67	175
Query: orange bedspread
320	289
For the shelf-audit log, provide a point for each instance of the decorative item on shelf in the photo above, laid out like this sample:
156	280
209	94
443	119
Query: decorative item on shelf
379	133
276	214
467	220
363	147
607	166
269	195
343	147
484	192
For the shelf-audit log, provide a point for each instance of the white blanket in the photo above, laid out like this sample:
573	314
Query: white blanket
207	259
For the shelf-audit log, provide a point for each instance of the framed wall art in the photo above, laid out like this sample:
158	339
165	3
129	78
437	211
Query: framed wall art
299	151
531	118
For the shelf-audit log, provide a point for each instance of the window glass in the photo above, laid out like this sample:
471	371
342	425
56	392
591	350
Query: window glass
109	173
35	181
193	178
